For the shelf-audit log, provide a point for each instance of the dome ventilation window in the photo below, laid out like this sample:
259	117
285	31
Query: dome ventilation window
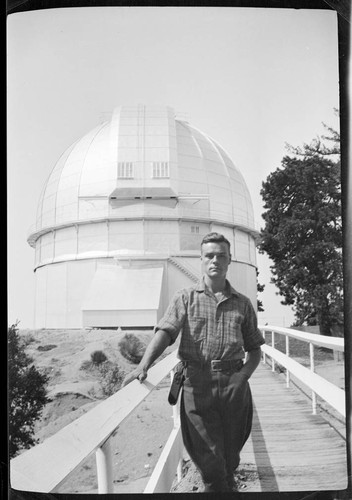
125	170
161	170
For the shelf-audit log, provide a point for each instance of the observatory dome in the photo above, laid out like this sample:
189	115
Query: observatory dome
144	184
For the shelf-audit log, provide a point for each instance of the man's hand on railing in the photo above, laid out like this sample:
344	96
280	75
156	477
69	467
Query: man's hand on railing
156	347
138	373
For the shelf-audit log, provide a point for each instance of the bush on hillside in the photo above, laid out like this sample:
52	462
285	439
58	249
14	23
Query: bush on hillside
27	394
28	339
132	348
46	347
98	357
86	365
111	378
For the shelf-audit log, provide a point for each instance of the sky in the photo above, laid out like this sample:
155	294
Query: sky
253	79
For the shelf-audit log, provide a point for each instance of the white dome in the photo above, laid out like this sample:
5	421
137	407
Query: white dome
143	162
126	207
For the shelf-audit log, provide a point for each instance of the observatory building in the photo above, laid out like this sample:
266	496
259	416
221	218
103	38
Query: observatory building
121	217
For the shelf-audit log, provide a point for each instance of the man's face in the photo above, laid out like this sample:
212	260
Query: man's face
216	258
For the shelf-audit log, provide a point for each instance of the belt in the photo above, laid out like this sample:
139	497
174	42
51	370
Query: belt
217	365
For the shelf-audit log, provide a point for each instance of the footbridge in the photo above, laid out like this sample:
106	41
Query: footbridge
293	446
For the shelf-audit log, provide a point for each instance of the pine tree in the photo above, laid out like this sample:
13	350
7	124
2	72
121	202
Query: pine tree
303	232
260	288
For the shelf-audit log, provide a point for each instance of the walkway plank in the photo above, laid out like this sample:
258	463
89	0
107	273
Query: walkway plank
291	449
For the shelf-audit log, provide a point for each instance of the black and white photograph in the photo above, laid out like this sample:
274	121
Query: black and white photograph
175	232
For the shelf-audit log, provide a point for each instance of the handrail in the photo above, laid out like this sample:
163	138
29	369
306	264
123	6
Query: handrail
332	394
183	268
46	466
335	343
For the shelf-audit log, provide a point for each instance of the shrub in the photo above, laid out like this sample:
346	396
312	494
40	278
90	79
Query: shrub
111	378
28	338
86	365
51	372
46	347
132	348
98	357
27	394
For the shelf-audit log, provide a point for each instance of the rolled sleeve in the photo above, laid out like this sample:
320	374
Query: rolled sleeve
252	338
174	317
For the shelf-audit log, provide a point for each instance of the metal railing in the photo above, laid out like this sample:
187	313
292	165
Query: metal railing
317	384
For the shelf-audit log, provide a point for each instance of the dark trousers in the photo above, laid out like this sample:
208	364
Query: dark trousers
216	420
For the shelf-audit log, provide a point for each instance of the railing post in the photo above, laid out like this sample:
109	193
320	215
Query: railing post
104	468
264	355
288	355
312	368
273	346
179	471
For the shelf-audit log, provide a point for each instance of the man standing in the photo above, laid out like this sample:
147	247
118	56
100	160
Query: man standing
218	325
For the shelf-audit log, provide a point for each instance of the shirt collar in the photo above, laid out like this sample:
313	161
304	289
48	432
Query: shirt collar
229	290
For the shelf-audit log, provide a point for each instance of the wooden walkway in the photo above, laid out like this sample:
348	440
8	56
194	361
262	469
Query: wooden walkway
290	448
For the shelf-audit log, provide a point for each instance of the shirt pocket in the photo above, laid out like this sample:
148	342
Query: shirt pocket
235	330
197	328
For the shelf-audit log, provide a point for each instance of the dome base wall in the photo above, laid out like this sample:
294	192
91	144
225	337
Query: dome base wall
61	290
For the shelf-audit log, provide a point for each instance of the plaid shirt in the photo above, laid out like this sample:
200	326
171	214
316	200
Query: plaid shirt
211	329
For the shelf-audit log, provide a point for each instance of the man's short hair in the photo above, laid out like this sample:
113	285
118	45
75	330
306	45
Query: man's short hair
215	238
